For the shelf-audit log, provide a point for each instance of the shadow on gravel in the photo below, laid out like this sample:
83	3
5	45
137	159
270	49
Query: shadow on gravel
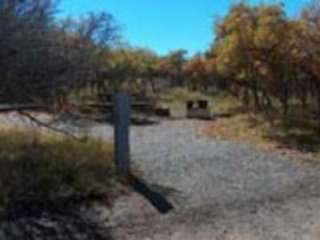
155	198
59	220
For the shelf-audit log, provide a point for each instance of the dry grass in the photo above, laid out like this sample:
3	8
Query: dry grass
181	95
43	167
298	138
226	104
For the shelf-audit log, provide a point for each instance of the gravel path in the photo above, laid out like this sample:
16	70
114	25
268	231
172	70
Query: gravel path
220	190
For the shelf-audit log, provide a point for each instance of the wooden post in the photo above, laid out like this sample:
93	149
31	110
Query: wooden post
121	121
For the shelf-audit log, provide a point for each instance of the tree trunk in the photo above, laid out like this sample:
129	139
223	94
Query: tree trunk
256	98
246	98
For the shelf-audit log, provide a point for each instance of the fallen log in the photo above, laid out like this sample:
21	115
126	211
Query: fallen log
4	108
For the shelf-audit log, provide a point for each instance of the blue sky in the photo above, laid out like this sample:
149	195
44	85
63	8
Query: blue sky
165	25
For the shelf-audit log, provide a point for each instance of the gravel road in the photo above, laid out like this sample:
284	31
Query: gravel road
220	190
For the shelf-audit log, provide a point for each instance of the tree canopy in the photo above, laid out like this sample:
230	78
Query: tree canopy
259	54
42	59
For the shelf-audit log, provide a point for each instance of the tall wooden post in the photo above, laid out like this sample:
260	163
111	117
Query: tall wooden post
121	121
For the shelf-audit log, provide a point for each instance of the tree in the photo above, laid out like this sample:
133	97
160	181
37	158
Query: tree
307	55
172	67
130	68
41	59
197	72
253	48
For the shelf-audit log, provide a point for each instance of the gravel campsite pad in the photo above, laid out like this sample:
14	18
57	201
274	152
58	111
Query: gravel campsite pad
220	190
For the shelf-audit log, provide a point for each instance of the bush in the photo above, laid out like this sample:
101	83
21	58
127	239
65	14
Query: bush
181	95
43	167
